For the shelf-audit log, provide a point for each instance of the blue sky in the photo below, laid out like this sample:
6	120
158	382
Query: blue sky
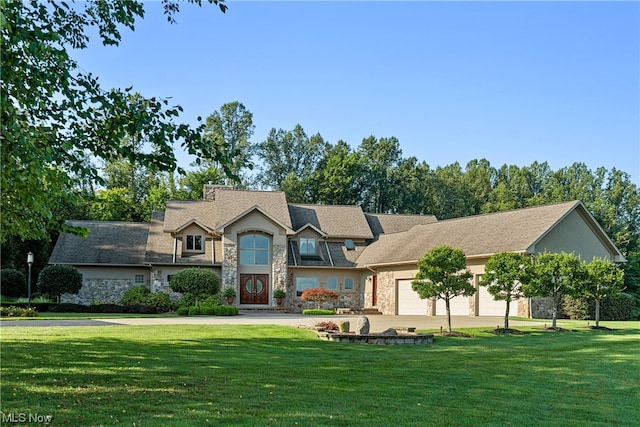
511	82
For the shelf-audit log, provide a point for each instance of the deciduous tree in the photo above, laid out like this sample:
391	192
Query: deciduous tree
443	274
604	279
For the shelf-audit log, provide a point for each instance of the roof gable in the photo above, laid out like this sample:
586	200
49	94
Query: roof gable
336	221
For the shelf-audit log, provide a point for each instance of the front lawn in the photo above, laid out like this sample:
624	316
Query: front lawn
184	375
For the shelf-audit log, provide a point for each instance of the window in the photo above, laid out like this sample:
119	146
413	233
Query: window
349	244
139	279
303	283
254	249
307	246
332	283
348	283
194	243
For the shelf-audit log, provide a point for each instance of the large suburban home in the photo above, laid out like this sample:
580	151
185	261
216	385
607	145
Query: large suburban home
257	242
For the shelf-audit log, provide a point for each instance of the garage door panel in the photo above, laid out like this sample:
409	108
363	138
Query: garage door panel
459	306
409	303
487	306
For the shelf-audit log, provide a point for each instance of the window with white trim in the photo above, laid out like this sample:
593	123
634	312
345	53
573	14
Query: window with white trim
254	249
303	283
194	243
307	246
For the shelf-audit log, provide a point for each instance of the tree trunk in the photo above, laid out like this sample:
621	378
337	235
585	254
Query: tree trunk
556	302
597	312
448	314
506	316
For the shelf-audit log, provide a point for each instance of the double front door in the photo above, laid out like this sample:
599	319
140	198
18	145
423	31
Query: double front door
254	289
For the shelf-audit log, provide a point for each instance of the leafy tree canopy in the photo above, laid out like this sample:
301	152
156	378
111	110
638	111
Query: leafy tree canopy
53	114
59	279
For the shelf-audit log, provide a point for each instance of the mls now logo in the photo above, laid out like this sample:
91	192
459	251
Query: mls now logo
26	418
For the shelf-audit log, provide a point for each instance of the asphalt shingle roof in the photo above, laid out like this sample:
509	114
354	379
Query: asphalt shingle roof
513	230
334	220
108	242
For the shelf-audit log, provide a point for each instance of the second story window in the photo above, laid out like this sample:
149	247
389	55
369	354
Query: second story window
194	243
307	246
254	249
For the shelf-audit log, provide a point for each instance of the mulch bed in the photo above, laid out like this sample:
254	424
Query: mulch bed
454	334
600	328
507	331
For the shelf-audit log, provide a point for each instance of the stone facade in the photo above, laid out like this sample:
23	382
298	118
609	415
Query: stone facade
158	285
230	267
101	291
386	293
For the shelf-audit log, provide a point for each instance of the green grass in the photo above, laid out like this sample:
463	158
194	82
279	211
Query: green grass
275	375
48	315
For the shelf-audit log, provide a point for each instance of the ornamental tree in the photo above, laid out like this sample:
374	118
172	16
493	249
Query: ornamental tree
319	295
199	282
604	279
503	275
59	279
13	283
555	275
443	275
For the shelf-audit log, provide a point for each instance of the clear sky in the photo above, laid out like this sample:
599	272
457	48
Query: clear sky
512	82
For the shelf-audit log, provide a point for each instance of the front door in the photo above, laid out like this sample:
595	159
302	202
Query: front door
374	291
254	289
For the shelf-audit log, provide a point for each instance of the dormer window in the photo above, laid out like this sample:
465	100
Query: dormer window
194	243
307	246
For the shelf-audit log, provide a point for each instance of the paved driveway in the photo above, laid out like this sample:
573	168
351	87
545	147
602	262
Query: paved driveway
378	323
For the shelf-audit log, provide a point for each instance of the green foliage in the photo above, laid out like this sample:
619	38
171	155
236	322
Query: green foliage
197	281
160	301
603	279
59	279
13	311
229	293
194	311
102	308
619	307
555	275
53	114
13	283
279	293
135	295
183	311
226	310
503	274
318	312
443	274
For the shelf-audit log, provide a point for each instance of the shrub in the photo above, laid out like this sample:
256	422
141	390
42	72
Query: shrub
207	310
198	281
59	279
621	307
319	295
67	307
13	283
194	311
226	310
187	300
159	300
183	311
318	312
13	311
135	295
327	326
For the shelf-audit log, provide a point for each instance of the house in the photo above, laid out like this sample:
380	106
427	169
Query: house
256	242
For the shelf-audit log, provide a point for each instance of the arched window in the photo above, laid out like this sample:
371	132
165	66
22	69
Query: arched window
254	249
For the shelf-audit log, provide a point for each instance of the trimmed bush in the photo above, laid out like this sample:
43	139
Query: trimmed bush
194	311
59	279
103	308
159	300
13	283
313	311
621	307
226	310
183	311
135	295
198	281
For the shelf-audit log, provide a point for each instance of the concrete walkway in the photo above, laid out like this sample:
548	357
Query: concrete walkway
377	322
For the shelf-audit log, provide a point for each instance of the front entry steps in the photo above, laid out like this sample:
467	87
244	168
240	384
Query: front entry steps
371	311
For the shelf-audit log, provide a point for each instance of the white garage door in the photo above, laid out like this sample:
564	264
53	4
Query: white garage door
487	306
459	306
409	303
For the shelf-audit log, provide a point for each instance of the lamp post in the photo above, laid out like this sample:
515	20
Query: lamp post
30	262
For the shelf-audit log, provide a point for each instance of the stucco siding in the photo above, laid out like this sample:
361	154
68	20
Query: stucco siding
573	234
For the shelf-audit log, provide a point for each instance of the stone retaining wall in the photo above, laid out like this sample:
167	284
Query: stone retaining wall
400	339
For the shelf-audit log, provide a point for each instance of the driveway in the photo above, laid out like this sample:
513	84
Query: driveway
378	322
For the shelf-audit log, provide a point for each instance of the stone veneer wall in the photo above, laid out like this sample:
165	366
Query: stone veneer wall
103	291
386	293
279	270
230	267
157	285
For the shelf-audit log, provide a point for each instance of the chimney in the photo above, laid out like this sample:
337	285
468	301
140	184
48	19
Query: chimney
209	190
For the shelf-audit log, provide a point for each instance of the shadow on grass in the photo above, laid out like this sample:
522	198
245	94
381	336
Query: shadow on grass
248	375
